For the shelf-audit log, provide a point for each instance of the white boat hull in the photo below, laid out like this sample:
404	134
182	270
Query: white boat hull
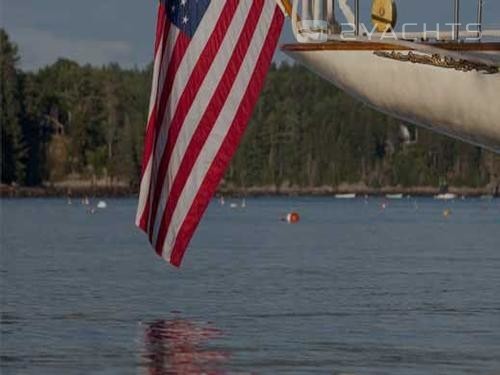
345	196
464	105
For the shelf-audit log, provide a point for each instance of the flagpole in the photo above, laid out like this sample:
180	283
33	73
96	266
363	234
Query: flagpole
287	6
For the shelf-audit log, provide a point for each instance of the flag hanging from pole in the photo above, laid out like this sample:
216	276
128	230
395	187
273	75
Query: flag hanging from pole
211	59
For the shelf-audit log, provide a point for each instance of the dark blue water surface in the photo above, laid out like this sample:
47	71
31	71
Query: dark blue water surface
351	289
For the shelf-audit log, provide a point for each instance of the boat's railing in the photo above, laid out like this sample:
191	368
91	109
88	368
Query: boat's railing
434	35
314	21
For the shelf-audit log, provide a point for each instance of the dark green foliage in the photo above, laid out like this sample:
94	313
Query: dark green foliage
307	133
71	121
10	106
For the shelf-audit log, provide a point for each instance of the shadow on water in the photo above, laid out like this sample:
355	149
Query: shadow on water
178	346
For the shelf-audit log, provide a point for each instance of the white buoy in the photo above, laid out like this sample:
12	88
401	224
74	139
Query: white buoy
102	204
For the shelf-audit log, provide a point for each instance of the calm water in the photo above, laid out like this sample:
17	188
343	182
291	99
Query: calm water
351	289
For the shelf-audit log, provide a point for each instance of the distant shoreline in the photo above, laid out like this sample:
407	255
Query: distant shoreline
55	192
124	192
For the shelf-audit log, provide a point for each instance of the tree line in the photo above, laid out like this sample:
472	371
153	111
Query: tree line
68	121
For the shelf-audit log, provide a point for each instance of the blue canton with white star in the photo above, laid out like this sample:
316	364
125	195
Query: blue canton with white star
186	14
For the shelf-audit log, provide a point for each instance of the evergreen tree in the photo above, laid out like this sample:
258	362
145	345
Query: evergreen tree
11	135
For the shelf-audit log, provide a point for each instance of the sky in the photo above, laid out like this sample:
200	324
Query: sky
103	31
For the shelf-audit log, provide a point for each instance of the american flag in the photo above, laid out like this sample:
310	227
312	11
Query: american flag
211	59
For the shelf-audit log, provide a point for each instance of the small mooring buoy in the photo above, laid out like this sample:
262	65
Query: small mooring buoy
292	218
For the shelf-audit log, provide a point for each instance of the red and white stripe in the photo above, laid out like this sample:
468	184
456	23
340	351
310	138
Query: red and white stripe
203	94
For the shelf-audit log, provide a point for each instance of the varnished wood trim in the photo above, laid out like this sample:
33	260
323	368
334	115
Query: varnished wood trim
373	46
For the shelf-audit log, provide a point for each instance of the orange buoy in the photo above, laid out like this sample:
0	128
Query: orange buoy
293	218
